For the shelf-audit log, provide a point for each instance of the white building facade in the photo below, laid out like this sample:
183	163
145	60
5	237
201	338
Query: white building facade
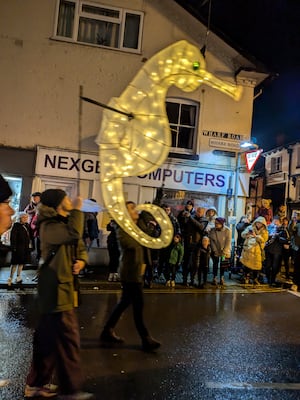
55	50
282	172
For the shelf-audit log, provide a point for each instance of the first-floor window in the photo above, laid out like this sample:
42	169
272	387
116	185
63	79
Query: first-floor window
183	117
102	25
276	164
298	157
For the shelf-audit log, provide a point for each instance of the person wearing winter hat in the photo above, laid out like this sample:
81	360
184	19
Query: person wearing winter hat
57	334
220	241
6	211
175	259
31	211
31	207
253	255
211	214
21	244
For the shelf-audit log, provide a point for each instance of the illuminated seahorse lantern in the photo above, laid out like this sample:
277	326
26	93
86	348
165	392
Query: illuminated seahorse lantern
137	146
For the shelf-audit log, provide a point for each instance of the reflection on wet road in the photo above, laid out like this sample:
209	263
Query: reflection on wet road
215	346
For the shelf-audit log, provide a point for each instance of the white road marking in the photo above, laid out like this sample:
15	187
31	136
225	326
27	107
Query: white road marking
297	294
254	385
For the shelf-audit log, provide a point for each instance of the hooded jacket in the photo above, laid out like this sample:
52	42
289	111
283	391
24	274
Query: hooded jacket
211	219
220	242
253	249
63	236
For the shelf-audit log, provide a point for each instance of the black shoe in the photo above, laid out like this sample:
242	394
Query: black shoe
150	344
109	336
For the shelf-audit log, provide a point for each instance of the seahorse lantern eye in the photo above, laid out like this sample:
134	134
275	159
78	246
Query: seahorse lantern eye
196	65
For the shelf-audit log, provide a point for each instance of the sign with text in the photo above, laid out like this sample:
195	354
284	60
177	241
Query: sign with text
70	164
224	144
188	178
67	164
251	158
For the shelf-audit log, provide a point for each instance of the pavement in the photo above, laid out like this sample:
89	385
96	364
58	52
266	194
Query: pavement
96	278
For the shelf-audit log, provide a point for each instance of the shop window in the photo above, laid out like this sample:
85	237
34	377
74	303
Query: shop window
276	164
15	184
100	25
183	117
177	199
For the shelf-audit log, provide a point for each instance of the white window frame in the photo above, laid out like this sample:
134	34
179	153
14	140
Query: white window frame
298	157
179	100
78	13
276	164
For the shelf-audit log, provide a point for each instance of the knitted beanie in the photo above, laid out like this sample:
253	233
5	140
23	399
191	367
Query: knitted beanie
220	220
53	197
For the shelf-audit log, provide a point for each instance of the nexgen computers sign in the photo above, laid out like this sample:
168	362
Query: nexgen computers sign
251	158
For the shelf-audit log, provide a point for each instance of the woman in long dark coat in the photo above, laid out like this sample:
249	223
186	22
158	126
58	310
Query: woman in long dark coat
21	242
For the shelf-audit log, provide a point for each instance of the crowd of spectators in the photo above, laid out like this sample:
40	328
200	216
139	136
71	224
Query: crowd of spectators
265	252
266	249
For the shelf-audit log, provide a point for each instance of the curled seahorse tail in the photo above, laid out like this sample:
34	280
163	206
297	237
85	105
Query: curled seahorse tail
112	193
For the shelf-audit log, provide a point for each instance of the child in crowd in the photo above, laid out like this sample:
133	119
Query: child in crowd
203	257
176	256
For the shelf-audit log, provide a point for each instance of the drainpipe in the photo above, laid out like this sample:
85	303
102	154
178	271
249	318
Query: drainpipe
258	94
290	152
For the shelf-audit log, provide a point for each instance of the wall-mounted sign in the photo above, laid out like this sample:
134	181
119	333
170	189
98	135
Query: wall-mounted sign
187	178
70	164
67	164
224	135
224	144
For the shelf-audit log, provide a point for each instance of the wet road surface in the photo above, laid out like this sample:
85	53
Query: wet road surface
215	345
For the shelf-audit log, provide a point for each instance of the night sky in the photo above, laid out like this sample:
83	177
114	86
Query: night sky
269	30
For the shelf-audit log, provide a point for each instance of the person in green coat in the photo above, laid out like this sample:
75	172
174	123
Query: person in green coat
175	259
56	342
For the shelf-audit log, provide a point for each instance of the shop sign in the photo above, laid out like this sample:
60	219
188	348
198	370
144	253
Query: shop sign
188	179
67	164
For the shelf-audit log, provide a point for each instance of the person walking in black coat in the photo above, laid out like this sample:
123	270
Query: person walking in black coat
132	269
21	242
